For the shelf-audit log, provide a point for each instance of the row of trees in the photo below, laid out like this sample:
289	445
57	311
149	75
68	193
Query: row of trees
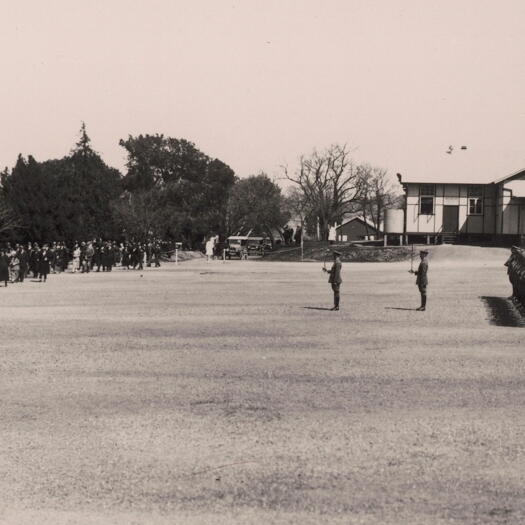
173	190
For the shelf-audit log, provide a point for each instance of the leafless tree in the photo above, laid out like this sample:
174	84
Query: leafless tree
329	183
377	194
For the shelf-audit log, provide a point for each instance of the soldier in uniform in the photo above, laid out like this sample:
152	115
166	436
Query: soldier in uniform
422	279
335	278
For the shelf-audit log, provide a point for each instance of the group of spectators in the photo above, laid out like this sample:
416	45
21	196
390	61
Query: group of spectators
290	237
18	261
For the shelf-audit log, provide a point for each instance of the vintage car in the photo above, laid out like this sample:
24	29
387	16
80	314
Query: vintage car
243	246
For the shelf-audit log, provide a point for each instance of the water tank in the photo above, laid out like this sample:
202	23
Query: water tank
394	221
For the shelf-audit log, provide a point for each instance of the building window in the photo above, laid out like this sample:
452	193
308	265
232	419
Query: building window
427	193
475	200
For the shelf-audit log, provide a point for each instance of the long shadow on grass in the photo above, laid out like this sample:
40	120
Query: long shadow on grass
502	312
397	308
316	308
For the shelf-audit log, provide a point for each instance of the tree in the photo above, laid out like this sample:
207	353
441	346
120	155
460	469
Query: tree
64	199
9	221
33	198
330	184
192	188
256	205
377	194
89	187
155	160
139	215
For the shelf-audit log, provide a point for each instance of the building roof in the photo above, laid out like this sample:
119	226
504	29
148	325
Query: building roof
513	176
461	167
358	218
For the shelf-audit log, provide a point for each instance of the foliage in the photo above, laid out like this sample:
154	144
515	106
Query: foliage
139	215
257	205
64	199
9	221
190	188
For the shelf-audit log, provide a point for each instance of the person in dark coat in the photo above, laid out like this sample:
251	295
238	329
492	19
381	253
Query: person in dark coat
22	270
44	262
422	279
140	250
34	260
107	258
97	257
335	278
125	256
4	267
156	254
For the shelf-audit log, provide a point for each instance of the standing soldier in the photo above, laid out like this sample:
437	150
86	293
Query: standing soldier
422	279
335	278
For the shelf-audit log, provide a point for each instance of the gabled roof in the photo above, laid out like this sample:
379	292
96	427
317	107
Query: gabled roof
360	219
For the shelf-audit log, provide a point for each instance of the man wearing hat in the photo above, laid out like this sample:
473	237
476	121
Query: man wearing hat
335	277
422	279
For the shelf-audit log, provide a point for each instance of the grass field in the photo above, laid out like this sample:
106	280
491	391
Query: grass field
224	393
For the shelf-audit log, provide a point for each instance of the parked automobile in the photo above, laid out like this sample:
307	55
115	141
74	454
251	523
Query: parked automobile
243	246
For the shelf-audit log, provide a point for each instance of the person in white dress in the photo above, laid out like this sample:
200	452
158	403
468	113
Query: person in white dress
332	234
209	249
76	258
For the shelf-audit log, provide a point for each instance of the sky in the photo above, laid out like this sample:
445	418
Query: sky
257	83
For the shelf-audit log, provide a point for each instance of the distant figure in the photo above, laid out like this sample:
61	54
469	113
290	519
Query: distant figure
422	279
298	235
335	278
4	267
44	263
210	244
22	257
76	258
332	234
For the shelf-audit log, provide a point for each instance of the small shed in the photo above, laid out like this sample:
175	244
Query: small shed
357	229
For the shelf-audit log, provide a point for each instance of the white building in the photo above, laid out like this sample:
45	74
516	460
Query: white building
464	209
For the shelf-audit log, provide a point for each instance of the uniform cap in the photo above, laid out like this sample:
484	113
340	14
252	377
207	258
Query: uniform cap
423	252
335	252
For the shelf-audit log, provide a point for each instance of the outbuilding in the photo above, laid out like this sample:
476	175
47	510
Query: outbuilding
357	228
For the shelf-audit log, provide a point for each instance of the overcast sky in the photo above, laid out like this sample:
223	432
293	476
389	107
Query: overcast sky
257	83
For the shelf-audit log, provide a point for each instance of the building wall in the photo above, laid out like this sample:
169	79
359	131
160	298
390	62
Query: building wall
450	195
355	230
510	218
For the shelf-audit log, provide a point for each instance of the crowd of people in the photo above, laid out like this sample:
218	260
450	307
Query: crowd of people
19	261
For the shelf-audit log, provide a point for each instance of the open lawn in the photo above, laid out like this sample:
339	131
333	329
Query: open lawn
226	393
